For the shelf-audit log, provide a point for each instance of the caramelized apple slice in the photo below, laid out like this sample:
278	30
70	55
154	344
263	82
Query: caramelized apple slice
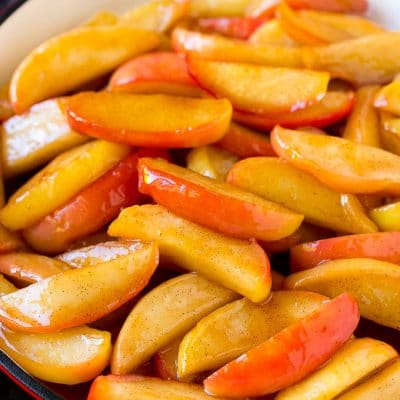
237	264
277	180
150	121
356	360
163	315
343	165
239	326
37	136
79	296
373	283
277	89
65	62
57	182
278	362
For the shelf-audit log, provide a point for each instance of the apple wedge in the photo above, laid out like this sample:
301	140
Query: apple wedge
341	164
150	121
278	90
162	316
332	108
160	72
240	265
276	180
65	62
374	283
217	205
356	360
36	137
290	355
381	246
79	296
239	326
57	182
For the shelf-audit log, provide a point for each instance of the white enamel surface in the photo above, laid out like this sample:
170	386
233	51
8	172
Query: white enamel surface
37	20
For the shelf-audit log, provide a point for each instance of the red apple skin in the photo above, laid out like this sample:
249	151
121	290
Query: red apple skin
290	355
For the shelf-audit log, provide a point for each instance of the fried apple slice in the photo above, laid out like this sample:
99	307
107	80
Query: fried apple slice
374	283
278	363
65	62
343	165
150	121
277	90
79	296
36	137
163	315
239	326
277	180
57	182
216	205
356	360
237	264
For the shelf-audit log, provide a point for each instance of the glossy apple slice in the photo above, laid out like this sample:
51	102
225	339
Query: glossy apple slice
343	165
272	33
36	137
237	264
388	98
277	90
244	142
79	296
6	110
355	361
216	205
381	246
162	316
57	182
65	62
333	107
363	125
373	283
239	326
278	362
277	180
160	72
150	121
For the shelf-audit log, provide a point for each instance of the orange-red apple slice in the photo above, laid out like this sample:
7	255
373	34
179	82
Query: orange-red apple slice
150	121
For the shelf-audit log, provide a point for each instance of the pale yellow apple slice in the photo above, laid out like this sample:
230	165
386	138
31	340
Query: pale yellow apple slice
65	62
374	283
163	315
356	360
237	327
240	265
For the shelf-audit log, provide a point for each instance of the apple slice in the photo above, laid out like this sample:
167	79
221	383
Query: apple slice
36	137
372	59
381	246
278	90
211	162
239	326
161	72
80	296
6	287
150	121
271	33
363	125
134	387
162	316
333	107
216	205
374	283
240	265
355	361
218	48
276	180
65	62
383	385
343	165
388	98
6	110
57	182
290	355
